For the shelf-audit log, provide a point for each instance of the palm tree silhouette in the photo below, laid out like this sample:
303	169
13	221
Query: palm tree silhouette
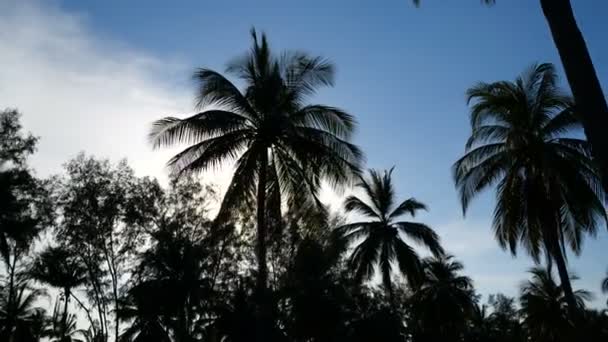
549	192
62	326
279	141
444	301
382	243
580	72
59	268
17	310
545	307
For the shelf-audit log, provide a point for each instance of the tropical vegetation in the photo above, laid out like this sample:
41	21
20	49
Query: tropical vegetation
129	259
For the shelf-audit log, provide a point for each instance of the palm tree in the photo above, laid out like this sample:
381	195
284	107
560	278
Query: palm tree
549	192
279	141
444	301
59	268
62	327
545	307
379	240
17	310
581	75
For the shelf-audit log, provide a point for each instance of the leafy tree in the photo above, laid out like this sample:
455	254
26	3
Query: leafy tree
145	316
505	319
444	301
545	308
190	266
105	211
281	144
549	193
317	301
382	243
24	212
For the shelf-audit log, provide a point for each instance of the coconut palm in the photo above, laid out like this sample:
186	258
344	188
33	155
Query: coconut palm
59	268
444	301
283	146
379	240
545	307
549	193
581	75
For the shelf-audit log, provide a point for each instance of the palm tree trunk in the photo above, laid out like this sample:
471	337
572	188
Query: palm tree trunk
564	277
261	249
64	317
581	75
390	292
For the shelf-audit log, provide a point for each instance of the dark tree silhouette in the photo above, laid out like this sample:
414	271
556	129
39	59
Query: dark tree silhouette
61	269
443	302
549	193
544	306
382	243
280	142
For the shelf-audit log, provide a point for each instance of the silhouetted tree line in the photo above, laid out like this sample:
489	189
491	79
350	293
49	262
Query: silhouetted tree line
123	258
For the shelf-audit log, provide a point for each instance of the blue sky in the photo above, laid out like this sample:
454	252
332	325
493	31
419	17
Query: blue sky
113	66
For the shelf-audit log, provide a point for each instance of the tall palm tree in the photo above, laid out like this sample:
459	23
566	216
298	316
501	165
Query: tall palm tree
444	301
545	307
582	77
379	240
59	268
281	144
549	192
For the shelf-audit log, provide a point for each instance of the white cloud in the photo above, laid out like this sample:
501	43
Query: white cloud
80	92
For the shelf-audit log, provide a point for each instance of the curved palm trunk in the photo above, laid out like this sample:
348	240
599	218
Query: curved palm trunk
581	75
562	270
261	248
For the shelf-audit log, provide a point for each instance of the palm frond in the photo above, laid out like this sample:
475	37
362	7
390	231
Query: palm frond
326	118
355	204
216	90
211	153
422	234
408	262
409	206
304	74
172	131
365	256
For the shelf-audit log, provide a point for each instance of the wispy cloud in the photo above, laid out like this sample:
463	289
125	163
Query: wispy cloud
82	92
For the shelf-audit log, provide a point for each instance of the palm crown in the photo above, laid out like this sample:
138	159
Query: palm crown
445	295
380	241
544	306
279	141
548	188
